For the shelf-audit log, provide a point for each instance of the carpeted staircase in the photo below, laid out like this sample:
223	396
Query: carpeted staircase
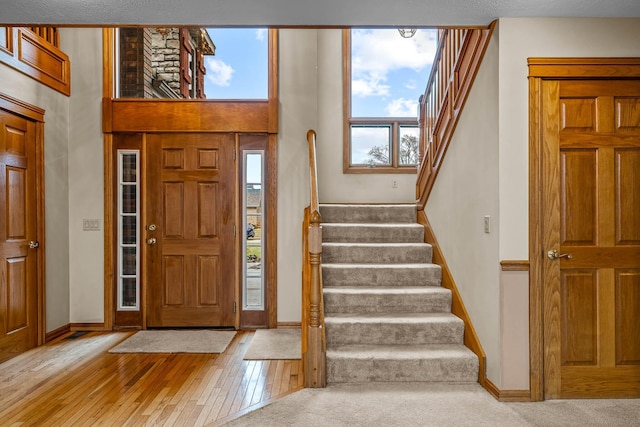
387	317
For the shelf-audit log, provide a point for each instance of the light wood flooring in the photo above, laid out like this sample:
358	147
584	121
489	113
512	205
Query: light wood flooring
76	382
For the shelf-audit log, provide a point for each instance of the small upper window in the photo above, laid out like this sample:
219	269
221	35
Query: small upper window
212	63
384	76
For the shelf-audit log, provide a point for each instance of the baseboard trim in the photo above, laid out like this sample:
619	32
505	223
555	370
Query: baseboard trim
88	327
505	395
289	325
57	333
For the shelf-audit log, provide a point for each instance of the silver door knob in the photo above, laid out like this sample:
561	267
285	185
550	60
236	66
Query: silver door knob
33	244
554	254
151	241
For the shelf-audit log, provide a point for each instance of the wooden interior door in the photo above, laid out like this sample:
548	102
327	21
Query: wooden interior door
18	265
190	200
591	181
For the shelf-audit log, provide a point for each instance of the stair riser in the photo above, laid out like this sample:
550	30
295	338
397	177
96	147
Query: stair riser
365	234
368	214
438	370
450	332
376	254
385	276
376	303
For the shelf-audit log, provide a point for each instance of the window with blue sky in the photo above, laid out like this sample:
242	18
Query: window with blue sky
389	72
240	67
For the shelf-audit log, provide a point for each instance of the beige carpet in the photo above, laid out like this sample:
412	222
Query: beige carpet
274	344
175	341
432	404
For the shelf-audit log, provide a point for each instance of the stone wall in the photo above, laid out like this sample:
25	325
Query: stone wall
165	56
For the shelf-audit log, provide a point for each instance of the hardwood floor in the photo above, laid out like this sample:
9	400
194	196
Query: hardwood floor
76	382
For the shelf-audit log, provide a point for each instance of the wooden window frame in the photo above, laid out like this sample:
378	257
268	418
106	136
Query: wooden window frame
393	122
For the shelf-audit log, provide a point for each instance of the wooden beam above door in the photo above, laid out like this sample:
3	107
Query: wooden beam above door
132	115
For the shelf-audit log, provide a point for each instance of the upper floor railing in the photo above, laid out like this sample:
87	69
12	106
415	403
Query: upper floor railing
458	57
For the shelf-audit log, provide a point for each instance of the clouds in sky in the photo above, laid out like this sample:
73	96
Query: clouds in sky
402	107
218	72
261	33
384	64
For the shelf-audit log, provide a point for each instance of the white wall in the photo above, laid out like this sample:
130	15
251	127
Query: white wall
334	185
466	190
86	183
56	130
298	113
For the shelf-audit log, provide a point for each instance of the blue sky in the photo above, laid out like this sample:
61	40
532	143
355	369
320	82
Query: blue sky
389	72
239	69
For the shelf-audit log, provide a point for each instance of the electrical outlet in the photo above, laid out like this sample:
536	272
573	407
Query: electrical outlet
394	184
487	224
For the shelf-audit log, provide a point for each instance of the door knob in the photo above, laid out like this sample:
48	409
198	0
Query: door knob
151	241
554	254
33	244
151	227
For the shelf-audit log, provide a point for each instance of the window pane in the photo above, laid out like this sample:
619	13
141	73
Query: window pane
129	198
129	230
129	263
129	167
129	292
370	145
389	72
408	151
240	67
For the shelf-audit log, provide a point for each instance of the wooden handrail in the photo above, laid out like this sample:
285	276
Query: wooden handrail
457	60
313	337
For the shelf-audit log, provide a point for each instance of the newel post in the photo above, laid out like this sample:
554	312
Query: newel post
316	362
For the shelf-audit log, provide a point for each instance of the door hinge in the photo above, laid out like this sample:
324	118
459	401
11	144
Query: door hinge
234	306
234	154
234	230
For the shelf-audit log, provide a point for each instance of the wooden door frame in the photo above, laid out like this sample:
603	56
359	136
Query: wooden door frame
541	69
35	114
213	116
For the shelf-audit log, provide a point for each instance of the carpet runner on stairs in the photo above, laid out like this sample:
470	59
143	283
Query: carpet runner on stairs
387	317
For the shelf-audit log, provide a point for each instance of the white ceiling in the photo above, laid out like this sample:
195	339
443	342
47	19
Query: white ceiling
302	12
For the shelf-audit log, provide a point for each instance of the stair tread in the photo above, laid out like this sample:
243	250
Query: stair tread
413	265
399	318
378	244
373	224
387	290
400	351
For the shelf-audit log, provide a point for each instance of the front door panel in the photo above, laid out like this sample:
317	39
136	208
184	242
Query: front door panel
190	202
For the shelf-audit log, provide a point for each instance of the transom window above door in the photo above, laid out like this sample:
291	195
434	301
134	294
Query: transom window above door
193	63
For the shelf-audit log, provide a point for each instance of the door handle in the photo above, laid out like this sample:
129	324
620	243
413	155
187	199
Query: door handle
33	244
151	241
554	254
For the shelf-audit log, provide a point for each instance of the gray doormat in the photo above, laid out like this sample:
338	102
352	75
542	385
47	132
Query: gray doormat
175	341
274	344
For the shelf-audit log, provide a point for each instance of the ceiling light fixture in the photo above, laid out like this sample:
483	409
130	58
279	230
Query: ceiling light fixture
407	33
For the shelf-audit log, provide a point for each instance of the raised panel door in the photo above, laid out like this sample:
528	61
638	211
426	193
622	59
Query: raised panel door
190	197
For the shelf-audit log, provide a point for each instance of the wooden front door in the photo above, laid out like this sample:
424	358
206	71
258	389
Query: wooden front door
18	265
190	201
591	214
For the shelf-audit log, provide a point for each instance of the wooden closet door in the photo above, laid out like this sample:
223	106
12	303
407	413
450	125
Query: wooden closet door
592	219
190	191
18	286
